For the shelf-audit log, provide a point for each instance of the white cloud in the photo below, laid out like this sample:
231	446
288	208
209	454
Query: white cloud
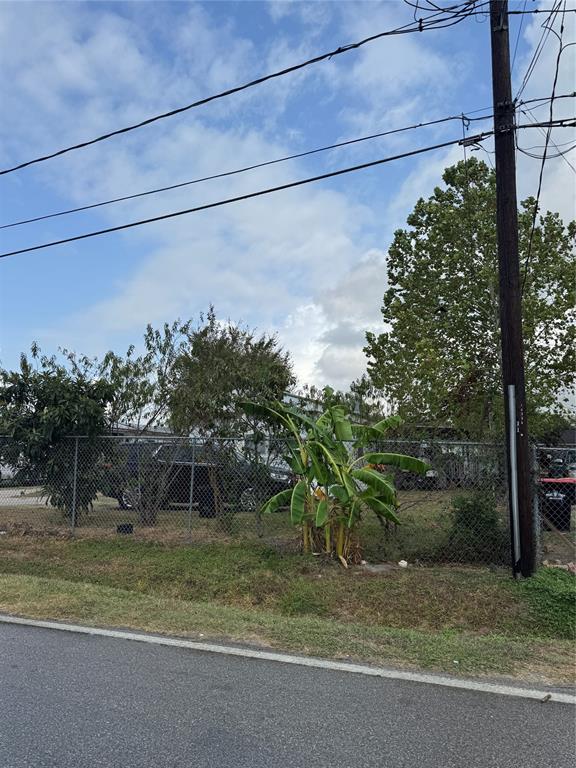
262	261
558	188
315	14
302	262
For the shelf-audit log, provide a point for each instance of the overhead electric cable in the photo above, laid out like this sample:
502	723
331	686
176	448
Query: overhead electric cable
456	13
255	166
518	37
543	163
547	28
473	139
237	171
559	152
248	196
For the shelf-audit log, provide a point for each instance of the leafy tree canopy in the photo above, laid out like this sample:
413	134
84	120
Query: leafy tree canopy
438	358
41	405
45	400
221	365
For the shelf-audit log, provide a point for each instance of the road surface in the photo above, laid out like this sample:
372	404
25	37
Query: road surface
78	701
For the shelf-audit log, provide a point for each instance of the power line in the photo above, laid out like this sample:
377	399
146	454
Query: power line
547	28
518	36
237	171
543	99
543	163
458	13
270	190
417	7
559	153
245	169
239	198
538	10
527	112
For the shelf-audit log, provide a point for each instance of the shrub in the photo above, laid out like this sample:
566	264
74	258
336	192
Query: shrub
477	533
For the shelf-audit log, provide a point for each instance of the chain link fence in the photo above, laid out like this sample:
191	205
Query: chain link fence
194	490
554	499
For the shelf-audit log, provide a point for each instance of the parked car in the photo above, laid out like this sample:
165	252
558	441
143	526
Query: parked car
167	474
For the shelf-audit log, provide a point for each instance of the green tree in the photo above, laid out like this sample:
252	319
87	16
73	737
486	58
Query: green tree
142	384
438	358
41	406
49	400
222	365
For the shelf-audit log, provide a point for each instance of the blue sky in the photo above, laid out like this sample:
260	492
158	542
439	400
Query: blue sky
307	264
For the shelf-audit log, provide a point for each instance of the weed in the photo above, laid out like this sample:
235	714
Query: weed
551	594
302	599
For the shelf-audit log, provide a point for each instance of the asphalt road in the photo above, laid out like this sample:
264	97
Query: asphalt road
76	701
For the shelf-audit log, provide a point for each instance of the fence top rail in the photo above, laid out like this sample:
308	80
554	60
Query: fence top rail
559	448
197	439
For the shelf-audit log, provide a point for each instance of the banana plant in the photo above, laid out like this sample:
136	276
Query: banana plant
337	479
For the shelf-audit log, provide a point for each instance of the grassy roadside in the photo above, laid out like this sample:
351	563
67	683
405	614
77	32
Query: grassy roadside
457	621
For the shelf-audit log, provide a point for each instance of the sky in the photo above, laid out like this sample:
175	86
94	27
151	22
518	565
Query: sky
307	264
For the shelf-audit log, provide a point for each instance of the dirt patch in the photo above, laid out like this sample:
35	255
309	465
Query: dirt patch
18	529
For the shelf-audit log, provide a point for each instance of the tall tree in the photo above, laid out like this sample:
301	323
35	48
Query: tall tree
42	405
224	364
51	399
142	383
438	358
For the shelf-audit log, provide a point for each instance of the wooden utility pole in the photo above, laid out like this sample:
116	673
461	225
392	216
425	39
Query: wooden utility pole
518	453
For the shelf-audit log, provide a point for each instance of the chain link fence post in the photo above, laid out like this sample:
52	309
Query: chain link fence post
74	487
536	505
191	499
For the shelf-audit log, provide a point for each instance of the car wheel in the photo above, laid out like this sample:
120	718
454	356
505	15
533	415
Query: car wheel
129	498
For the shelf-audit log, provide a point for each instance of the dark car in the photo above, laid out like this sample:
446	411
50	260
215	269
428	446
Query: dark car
208	475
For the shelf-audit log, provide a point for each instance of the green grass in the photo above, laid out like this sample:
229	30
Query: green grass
448	651
426	517
258	576
551	596
468	621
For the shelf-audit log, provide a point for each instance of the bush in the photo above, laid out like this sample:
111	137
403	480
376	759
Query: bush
477	533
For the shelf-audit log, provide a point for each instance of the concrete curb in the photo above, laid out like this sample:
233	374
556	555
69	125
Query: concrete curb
303	661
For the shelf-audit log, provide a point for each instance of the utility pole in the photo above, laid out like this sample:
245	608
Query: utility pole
518	454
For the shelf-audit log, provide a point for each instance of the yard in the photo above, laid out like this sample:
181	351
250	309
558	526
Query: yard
424	536
425	515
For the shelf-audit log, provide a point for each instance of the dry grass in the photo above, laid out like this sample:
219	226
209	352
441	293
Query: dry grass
532	659
423	537
257	576
426	518
273	595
